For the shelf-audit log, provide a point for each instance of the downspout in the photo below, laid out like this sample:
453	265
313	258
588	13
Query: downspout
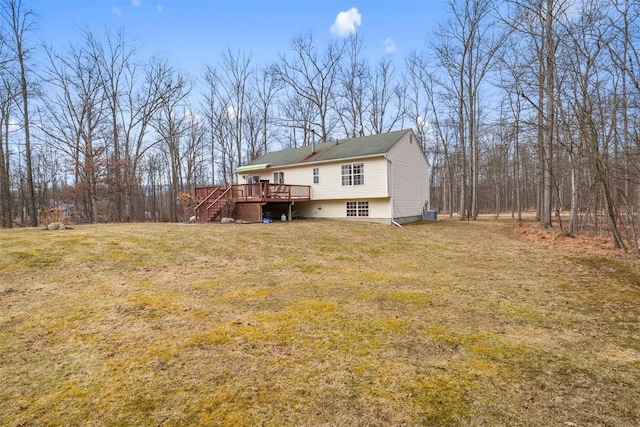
422	181
393	222
426	167
425	175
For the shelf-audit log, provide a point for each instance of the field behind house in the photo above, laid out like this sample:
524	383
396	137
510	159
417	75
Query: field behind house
314	323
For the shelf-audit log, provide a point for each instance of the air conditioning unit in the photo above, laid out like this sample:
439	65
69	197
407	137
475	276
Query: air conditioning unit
428	215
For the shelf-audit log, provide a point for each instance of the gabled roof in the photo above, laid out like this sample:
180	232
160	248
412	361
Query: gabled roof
349	148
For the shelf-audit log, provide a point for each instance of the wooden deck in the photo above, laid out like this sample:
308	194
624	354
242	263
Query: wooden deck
265	192
212	199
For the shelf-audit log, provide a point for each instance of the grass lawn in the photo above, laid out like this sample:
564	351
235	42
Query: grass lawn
314	323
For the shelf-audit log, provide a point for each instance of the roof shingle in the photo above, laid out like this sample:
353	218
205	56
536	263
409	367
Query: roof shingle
326	151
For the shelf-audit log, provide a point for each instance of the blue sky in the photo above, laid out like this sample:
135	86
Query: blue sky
192	33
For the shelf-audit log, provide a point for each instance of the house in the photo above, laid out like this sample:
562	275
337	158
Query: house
380	178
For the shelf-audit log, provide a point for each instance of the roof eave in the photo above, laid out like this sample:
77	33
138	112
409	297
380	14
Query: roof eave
318	162
248	168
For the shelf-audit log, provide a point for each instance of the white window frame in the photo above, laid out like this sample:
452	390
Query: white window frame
352	174
278	177
357	209
316	175
253	179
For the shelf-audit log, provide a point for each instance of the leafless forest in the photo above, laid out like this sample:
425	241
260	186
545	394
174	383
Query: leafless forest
521	106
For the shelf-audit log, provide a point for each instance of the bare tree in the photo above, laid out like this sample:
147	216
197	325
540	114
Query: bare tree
299	116
265	90
117	71
540	22
550	46
75	113
593	109
6	100
152	167
133	93
140	104
313	77
221	121
353	76
171	125
228	93
511	82
427	120
386	98
210	108
473	40
623	48
253	130
192	153
18	22
625	52
9	91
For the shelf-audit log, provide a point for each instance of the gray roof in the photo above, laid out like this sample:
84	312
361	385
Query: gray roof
326	151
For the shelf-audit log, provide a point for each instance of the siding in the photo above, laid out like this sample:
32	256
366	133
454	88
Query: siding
337	209
402	175
410	178
330	186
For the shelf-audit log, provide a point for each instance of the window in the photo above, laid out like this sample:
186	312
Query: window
316	175
253	179
278	177
357	208
353	174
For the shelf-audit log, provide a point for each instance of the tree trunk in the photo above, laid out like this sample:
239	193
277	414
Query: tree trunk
545	220
5	180
19	20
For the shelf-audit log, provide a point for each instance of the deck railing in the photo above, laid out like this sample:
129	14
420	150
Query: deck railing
265	192
203	194
259	192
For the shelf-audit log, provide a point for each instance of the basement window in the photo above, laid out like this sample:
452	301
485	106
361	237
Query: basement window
353	174
357	208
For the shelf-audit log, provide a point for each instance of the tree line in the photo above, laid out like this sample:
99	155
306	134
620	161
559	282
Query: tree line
520	105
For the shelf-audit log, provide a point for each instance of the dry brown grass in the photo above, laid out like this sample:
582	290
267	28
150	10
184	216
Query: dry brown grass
314	323
578	243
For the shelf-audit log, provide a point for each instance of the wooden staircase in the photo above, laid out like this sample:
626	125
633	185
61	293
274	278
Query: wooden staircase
210	207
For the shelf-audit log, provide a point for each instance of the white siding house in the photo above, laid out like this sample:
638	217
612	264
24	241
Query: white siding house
382	178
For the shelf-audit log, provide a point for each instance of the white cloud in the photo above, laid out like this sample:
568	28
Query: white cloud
116	11
136	3
346	23
160	8
231	113
192	116
14	126
421	123
390	45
